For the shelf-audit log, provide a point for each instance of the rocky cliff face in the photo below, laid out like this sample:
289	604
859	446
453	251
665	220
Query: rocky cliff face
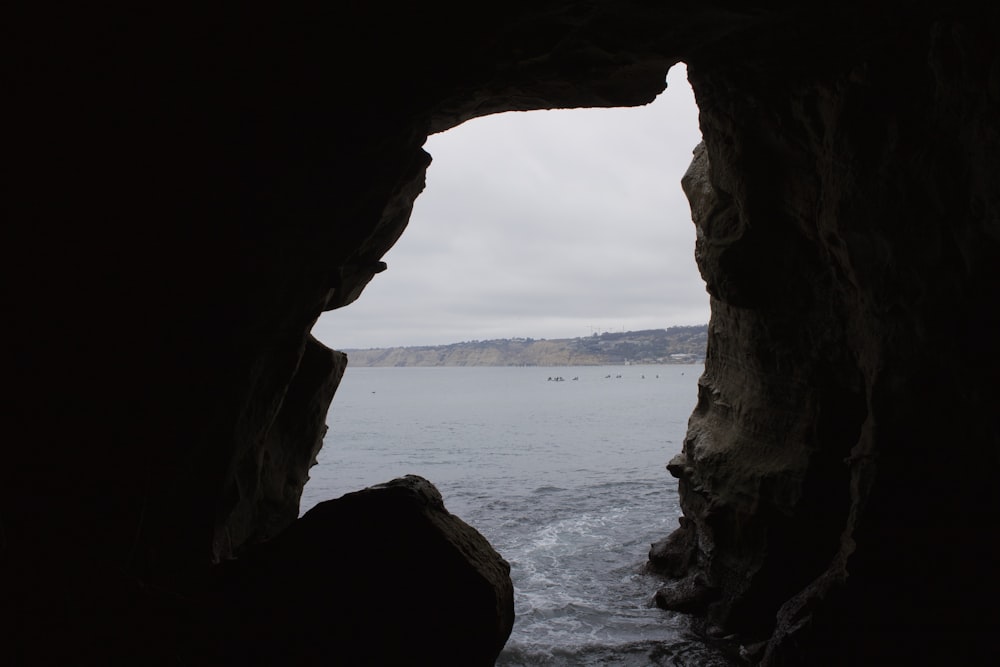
833	219
189	192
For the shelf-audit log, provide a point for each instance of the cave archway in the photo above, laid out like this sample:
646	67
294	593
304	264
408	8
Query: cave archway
197	189
557	225
550	224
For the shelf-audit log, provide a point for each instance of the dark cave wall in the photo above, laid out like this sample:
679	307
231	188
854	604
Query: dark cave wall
189	192
193	191
848	235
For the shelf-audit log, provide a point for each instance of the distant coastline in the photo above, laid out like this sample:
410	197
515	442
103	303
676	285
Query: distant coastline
676	345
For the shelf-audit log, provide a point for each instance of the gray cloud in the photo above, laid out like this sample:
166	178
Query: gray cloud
545	224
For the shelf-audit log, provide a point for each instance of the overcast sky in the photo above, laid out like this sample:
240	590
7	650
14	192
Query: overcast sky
544	224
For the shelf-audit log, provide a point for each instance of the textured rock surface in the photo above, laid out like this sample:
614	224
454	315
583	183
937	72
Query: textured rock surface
847	232
383	576
267	482
188	192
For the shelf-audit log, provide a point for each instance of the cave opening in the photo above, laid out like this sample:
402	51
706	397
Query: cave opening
544	224
536	228
190	191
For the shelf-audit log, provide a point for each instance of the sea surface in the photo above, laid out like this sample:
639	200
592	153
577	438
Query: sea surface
566	478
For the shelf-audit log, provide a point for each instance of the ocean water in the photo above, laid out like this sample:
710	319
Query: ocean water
566	479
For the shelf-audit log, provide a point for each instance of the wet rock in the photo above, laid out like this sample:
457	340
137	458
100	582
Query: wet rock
672	556
690	595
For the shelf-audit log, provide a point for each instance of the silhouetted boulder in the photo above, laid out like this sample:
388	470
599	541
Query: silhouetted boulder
382	576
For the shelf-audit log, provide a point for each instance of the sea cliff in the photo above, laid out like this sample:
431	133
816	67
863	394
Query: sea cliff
652	346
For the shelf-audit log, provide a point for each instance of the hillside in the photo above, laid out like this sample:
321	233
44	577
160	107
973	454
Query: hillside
652	346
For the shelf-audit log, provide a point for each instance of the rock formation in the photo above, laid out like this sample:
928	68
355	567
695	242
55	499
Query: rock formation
390	557
186	193
843	227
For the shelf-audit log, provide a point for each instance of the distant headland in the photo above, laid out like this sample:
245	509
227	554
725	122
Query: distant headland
676	345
